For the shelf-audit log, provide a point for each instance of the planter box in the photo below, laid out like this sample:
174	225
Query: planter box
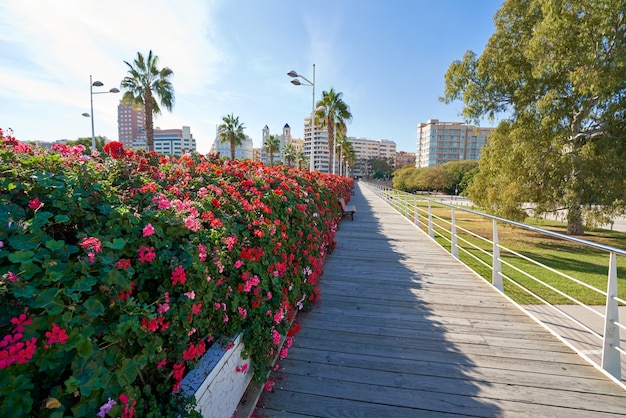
215	381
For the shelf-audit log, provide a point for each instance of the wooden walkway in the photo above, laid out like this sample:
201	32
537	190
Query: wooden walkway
404	330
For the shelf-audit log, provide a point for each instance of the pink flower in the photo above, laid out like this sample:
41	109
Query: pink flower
268	386
57	335
238	264
20	321
163	307
243	312
35	204
148	230
201	251
91	243
196	308
106	408
276	337
12	277
162	363
146	254
178	275
242	368
192	223
191	295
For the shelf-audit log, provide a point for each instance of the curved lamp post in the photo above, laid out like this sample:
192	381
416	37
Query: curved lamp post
93	84
297	82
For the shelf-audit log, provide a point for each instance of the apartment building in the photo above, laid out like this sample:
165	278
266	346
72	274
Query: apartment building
367	149
131	124
321	156
404	158
169	141
441	142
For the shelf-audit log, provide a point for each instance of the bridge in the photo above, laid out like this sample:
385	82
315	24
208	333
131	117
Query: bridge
403	329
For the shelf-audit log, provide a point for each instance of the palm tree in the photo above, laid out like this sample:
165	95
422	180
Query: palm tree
231	131
349	156
271	146
300	158
144	85
289	153
333	113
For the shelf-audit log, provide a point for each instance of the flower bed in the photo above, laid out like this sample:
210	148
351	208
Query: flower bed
118	271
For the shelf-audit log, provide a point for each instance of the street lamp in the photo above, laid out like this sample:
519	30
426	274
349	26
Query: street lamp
93	84
297	82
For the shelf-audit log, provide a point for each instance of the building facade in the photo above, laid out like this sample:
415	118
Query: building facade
245	151
283	139
169	141
442	142
367	149
404	158
321	156
131	124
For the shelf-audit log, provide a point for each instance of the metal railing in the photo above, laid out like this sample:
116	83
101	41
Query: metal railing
526	276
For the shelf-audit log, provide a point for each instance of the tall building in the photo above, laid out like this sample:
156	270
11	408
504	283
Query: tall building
441	142
367	149
131	124
321	156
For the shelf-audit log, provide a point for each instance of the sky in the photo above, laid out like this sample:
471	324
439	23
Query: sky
388	58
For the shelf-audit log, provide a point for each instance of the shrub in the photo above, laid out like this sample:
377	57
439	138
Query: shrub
117	271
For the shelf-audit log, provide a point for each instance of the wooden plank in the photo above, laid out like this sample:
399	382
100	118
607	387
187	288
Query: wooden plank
403	329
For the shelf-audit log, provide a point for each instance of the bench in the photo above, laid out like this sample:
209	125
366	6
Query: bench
347	209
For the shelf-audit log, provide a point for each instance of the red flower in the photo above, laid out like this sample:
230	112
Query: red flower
178	275
35	204
115	149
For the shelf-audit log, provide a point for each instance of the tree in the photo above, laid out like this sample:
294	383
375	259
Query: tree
300	158
149	87
271	147
349	155
231	131
555	71
333	113
289	154
380	167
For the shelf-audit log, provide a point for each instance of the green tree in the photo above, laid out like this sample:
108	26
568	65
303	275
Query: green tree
271	147
349	155
380	167
289	154
231	132
300	158
332	113
555	71
149	87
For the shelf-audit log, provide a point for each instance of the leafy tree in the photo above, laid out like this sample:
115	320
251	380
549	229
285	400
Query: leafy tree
289	153
380	167
349	155
231	131
149	87
333	113
555	70
300	158
272	146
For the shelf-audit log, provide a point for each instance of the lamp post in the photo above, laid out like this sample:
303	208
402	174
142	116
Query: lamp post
297	82
93	84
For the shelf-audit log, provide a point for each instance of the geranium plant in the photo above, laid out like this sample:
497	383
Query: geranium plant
118	271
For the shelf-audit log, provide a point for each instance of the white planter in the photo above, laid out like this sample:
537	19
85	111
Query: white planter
216	382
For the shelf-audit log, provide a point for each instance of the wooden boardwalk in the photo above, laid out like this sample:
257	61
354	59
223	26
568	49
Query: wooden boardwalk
404	330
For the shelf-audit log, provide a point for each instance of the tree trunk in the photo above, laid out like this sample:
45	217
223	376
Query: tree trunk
149	124
232	148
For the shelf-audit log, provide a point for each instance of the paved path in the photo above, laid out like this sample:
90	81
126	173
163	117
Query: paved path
404	330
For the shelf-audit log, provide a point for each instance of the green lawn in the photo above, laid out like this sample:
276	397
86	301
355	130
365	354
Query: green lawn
581	262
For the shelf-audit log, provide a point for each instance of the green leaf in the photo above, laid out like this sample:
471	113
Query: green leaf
84	348
45	298
117	244
55	245
127	373
21	256
61	218
94	307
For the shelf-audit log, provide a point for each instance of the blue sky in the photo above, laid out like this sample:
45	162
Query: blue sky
387	57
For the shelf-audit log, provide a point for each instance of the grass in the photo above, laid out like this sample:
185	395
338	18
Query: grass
581	262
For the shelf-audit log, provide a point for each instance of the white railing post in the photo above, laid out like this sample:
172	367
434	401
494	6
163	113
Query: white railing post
415	211
431	232
610	356
496	274
455	246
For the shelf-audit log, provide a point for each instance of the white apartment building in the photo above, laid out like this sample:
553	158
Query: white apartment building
367	149
321	156
169	141
441	142
243	152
